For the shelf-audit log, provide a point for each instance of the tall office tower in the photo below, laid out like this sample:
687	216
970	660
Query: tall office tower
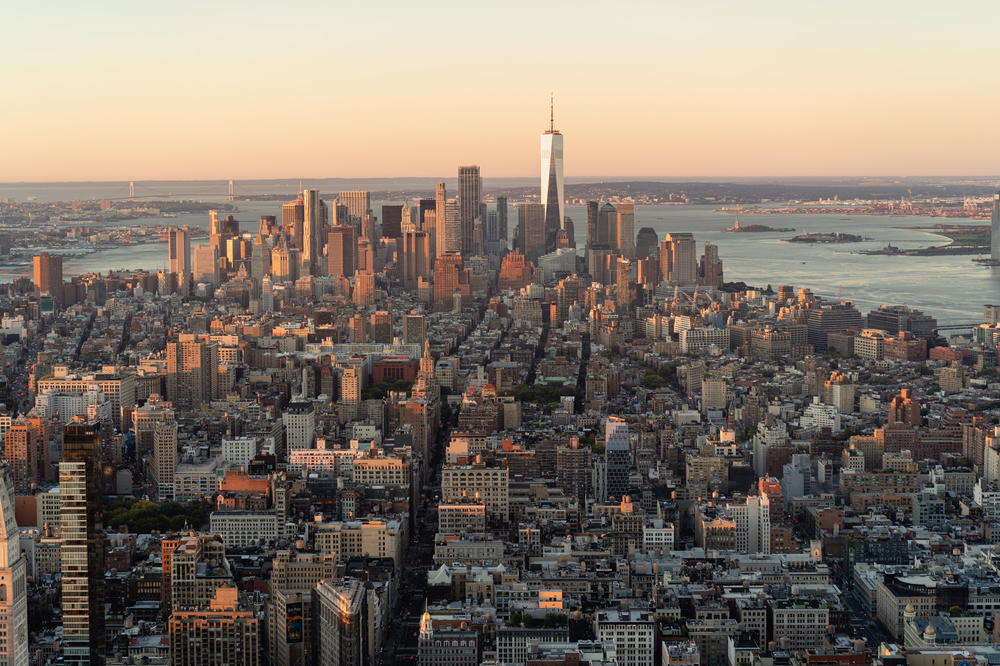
618	457
179	249
415	260
440	215
553	195
623	282
593	215
215	231
342	630
531	230
311	244
206	264
358	203
995	229
678	263
492	232
13	587
452	227
625	230
425	206
82	534
414	329
448	273
392	220
470	197
49	275
786	292
340	247
165	455
284	261
260	258
223	634
711	267
293	215
503	232
607	227
647	243
357	329
191	366
268	225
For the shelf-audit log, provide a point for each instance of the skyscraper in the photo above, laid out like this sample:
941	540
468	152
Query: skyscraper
440	204
995	229
415	259
340	248
531	230
625	230
13	587
503	232
179	250
292	217
711	266
48	273
82	533
452	227
678	263
553	195
342	627
190	372
593	210
618	457
392	220
358	203
470	197
206	263
310	231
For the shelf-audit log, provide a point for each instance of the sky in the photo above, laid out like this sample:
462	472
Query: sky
666	88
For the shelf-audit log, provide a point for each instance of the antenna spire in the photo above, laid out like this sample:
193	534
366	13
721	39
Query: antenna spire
552	113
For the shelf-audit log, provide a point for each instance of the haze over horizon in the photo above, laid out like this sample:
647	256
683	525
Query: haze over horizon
723	90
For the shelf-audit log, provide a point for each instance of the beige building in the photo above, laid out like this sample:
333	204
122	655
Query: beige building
220	635
490	485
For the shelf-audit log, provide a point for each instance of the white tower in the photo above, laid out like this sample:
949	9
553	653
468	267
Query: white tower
13	587
553	185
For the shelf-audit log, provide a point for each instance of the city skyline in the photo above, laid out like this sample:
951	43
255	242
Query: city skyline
769	91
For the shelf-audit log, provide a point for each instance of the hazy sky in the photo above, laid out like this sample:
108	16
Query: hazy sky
210	89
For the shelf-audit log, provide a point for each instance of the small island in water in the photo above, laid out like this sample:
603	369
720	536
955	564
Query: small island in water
753	228
821	237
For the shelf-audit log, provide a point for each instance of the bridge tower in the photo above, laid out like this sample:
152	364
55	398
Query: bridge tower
231	195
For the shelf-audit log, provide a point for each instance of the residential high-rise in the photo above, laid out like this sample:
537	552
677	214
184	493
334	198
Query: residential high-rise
311	244
82	534
449	278
23	449
381	327
191	368
300	425
179	250
449	228
625	230
553	197
13	586
618	457
470	198
340	249
995	229
284	261
678	262
833	318
531	230
48	273
165	454
260	258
